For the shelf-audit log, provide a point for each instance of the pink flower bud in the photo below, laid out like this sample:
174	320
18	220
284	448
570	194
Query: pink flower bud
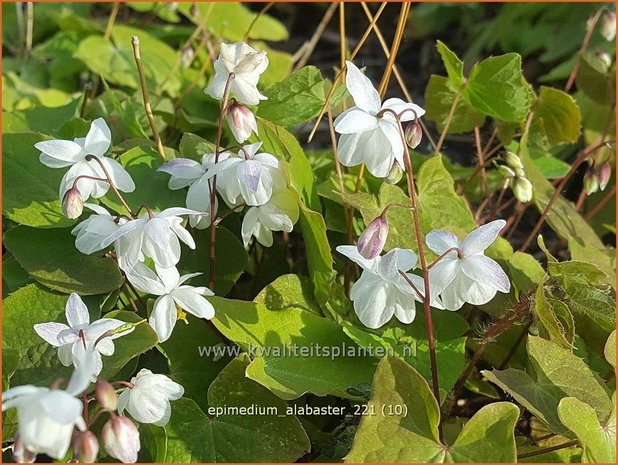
241	121
591	181
413	134
20	453
372	240
72	203
86	447
105	395
608	26
604	174
121	439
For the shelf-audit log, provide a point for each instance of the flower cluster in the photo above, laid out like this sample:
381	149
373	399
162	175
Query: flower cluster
372	133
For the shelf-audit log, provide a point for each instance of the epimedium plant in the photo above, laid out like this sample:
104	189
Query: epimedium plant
171	245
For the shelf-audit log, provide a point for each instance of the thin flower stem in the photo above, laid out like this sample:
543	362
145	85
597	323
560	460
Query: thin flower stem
260	13
599	206
583	156
437	260
96	416
213	184
147	107
111	21
547	449
87	90
449	118
109	181
343	46
591	25
412	285
341	72
481	163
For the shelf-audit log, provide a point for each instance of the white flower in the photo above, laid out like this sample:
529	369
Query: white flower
63	153
154	235
366	137
241	122
471	277
251	176
173	297
148	401
74	340
278	214
247	64
121	439
381	291
47	417
91	232
185	172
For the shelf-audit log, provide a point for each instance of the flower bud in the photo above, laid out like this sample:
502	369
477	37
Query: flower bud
372	240
86	447
514	161
121	439
413	134
506	171
522	188
20	453
605	59
105	394
186	57
608	26
591	181
241	121
604	175
72	203
394	175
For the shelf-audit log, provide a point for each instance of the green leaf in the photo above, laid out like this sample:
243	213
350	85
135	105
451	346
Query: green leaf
560	114
453	65
525	271
47	120
194	147
29	188
50	257
289	291
598	440
496	87
294	100
555	317
193	436
439	99
610	349
191	368
271	336
150	185
232	259
387	436
594	80
130	345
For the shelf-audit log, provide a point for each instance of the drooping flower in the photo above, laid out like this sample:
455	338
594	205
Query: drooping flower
280	213
174	297
154	235
251	176
64	153
91	232
74	341
241	122
121	439
382	291
148	401
246	64
465	274
367	135
47	417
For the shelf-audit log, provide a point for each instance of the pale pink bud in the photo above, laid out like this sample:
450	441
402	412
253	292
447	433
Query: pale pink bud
121	439
20	453
591	181
608	26
72	203
605	174
394	175
241	121
413	134
105	394
372	240
86	447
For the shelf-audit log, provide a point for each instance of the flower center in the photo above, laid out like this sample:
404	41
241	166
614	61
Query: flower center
181	314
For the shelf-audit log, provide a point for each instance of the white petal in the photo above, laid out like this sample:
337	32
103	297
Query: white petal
371	301
346	150
353	254
375	149
250	223
64	354
485	270
395	260
440	241
61	406
123	230
163	317
61	150
477	293
50	331
98	139
482	237
452	296
76	311
169	277
443	273
365	96
193	303
393	135
399	106
176	211
121	179
353	121
144	279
